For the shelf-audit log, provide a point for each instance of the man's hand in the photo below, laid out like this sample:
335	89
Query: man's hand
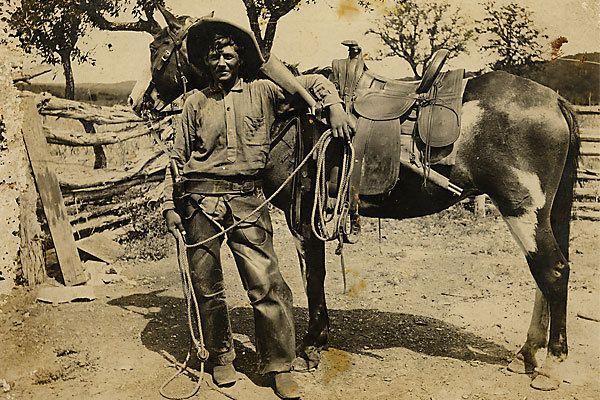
342	124
173	221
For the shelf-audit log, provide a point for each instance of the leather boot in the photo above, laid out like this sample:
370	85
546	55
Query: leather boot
285	386
224	375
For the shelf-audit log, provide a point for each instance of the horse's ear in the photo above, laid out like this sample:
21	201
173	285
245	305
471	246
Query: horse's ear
172	21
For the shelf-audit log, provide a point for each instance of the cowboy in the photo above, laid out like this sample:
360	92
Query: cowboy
222	146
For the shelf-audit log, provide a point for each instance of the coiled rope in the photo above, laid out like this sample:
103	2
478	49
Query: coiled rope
321	217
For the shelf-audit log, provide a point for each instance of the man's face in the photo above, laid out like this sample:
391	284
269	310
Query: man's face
224	64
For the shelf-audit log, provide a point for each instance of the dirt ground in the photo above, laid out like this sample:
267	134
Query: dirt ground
433	312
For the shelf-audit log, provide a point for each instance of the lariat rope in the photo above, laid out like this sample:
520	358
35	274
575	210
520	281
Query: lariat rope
339	213
192	308
315	148
318	227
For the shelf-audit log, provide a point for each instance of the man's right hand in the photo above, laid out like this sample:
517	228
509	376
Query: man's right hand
173	221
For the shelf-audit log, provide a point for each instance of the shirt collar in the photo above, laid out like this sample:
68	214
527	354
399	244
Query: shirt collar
238	87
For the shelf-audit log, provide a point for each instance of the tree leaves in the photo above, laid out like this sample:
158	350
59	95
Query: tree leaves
511	36
414	31
52	29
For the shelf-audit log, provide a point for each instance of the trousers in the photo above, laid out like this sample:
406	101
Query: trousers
271	298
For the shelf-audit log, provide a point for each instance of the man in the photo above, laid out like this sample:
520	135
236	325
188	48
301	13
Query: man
221	147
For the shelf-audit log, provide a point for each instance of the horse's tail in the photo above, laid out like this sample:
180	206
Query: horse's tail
563	201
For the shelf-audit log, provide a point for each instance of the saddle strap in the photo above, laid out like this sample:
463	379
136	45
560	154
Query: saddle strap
346	73
364	127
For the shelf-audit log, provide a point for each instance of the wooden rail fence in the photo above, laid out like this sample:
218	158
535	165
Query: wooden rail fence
102	188
79	201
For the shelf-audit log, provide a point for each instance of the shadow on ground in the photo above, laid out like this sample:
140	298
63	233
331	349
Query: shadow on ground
357	331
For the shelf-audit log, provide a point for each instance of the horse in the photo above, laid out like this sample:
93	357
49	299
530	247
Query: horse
519	144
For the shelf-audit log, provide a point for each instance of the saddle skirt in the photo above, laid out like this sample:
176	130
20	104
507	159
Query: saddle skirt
394	120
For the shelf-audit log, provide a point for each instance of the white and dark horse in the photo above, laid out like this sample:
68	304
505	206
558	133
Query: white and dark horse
518	144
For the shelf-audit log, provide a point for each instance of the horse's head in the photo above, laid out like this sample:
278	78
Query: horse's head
170	72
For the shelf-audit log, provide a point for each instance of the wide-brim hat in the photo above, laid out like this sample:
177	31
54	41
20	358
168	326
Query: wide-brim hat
202	32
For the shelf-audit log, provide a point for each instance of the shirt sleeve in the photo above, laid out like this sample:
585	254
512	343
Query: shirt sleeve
319	87
184	128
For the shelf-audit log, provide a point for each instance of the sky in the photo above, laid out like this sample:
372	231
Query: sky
312	36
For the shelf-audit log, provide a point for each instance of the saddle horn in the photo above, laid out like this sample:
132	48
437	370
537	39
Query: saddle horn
172	21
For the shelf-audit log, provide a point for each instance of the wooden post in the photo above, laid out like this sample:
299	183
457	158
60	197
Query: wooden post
31	252
52	200
100	161
480	206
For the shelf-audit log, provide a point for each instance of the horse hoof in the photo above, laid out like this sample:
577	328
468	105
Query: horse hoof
303	365
544	381
519	366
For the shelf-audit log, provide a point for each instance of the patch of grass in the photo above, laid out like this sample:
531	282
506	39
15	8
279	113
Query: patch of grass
148	239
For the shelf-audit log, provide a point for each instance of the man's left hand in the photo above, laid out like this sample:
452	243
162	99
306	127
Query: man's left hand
342	124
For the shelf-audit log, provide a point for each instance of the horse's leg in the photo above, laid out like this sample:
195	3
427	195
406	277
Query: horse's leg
551	272
560	219
537	337
527	214
311	255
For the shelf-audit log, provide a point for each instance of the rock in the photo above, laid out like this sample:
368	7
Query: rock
5	386
65	294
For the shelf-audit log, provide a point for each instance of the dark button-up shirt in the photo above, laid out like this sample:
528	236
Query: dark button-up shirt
226	135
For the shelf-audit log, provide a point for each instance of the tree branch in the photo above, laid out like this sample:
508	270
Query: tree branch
253	16
149	26
25	76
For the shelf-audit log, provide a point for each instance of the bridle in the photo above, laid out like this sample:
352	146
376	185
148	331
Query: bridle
172	50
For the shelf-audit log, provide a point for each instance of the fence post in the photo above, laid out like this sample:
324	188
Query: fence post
51	195
100	160
480	206
31	252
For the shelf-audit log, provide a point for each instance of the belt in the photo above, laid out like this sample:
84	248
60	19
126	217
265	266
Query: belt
221	186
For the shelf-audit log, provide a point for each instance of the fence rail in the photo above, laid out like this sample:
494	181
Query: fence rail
97	199
587	192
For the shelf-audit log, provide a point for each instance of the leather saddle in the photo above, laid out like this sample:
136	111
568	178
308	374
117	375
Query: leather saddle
383	107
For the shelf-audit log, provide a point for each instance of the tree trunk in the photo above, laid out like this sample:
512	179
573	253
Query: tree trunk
270	35
68	71
414	66
253	15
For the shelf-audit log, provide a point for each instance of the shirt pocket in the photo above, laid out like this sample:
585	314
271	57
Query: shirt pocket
255	131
